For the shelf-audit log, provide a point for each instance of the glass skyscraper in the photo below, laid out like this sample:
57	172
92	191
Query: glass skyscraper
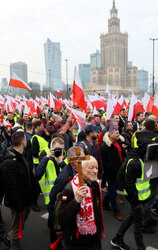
85	74
53	65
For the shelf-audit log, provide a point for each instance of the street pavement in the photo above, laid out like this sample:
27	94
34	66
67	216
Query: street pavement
36	233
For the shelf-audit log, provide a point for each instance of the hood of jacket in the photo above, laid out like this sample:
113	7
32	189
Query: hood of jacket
107	140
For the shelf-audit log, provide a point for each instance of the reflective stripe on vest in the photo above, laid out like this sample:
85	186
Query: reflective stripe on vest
142	185
48	179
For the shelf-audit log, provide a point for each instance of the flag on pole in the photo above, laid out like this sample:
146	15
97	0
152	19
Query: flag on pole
15	81
77	91
60	94
108	91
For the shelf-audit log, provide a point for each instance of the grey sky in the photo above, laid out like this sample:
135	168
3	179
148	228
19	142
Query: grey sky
26	24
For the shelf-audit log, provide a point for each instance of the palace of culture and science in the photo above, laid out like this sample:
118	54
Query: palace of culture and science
114	68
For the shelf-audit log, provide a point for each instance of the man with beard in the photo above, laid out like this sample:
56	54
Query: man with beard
89	145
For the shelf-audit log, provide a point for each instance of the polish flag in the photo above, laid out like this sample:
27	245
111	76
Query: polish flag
15	81
97	102
134	100
110	108
137	108
148	102
155	107
60	94
117	108
51	103
77	91
7	124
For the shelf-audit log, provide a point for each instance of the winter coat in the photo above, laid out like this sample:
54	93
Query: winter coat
67	213
110	157
19	181
127	136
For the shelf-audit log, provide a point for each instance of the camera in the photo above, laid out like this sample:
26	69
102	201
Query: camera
58	152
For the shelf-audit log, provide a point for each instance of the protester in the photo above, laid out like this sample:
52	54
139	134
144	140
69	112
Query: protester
122	119
112	155
49	167
19	187
80	213
66	175
139	118
89	145
127	133
137	191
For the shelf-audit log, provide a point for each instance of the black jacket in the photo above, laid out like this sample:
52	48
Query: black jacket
35	143
67	214
110	157
127	136
133	172
19	181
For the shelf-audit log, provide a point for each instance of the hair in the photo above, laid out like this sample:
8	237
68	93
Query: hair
20	120
149	125
122	109
147	114
139	113
86	162
57	140
17	138
126	123
37	124
29	125
72	151
113	115
57	135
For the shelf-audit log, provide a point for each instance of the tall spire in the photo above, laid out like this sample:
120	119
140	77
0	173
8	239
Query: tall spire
114	4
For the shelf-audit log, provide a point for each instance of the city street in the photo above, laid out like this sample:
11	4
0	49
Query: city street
36	233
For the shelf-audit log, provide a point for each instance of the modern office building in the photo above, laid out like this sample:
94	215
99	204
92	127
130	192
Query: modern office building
95	60
35	89
53	65
143	80
4	85
85	74
20	69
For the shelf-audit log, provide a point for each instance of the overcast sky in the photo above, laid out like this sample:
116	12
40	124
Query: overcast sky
76	24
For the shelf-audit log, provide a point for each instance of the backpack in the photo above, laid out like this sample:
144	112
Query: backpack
59	197
57	225
3	149
3	152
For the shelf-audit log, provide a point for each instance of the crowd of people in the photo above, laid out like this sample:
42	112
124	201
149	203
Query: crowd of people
38	154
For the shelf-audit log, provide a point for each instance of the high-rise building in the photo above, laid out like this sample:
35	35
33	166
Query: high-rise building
95	60
114	68
143	80
53	65
85	74
35	89
20	69
4	85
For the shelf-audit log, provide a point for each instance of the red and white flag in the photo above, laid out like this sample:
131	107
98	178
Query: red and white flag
97	102
148	102
51	103
77	91
134	100
17	82
60	94
155	107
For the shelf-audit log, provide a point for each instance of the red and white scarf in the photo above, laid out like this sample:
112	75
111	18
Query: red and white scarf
85	219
